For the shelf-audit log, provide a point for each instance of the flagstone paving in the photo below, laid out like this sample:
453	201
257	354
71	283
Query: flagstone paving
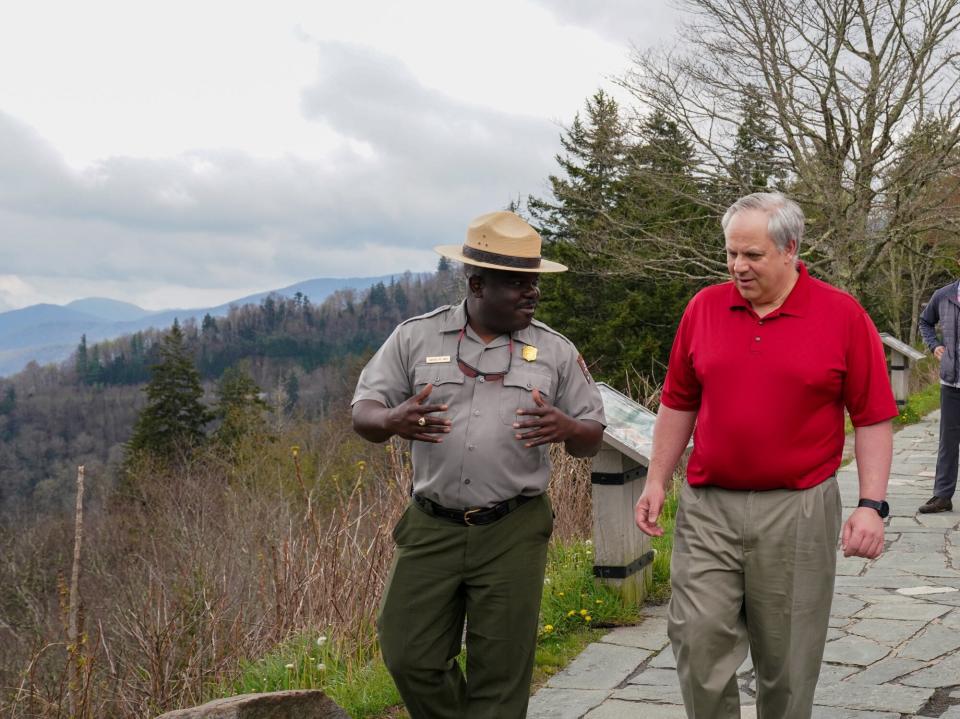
893	651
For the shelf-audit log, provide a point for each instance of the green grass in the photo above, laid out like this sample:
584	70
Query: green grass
919	404
574	611
659	592
572	599
357	680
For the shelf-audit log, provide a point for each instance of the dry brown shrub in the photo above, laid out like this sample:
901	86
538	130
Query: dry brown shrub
190	572
196	569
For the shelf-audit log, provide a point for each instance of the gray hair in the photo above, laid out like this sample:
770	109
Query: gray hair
785	216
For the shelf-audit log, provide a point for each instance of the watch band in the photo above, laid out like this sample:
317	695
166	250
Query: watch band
882	508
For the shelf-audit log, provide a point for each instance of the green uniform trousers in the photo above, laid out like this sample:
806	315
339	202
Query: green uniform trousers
490	575
752	568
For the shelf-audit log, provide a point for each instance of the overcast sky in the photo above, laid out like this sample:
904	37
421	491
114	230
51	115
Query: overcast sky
183	154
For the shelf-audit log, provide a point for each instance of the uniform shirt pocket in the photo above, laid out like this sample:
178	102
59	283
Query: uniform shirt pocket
447	381
517	392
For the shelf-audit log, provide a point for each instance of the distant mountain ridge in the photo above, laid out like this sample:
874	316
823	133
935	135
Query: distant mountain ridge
109	310
49	333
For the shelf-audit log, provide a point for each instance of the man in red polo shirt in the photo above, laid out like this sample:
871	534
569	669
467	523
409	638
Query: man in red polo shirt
761	370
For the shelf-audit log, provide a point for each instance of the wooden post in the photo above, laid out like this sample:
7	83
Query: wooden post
899	377
622	556
901	355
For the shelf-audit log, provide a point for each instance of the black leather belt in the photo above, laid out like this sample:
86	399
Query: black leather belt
471	517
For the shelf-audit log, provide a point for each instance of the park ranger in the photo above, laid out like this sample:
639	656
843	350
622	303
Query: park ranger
481	389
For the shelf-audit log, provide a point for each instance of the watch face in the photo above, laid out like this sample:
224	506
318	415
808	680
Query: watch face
884	509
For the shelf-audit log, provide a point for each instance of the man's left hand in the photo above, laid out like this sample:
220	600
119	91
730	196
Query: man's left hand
863	534
548	424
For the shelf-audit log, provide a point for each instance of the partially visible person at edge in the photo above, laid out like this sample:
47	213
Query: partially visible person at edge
944	310
481	390
760	372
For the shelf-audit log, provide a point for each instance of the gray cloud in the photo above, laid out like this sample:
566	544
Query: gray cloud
640	23
433	154
226	219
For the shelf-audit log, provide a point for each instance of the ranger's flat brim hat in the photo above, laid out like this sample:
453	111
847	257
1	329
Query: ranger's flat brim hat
501	241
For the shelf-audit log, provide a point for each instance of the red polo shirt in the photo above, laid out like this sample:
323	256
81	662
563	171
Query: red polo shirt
769	393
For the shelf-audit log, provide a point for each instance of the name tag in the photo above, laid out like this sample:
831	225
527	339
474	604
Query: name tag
438	360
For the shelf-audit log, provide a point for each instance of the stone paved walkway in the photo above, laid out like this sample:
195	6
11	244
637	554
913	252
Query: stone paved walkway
894	645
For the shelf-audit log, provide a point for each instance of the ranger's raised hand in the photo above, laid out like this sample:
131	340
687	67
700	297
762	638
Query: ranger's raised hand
547	424
413	419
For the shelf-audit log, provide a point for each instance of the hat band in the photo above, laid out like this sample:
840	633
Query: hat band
495	258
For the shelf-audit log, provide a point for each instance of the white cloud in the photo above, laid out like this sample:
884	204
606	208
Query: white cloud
16	293
626	22
185	153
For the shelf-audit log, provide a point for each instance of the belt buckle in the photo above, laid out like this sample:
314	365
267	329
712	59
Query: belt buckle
466	516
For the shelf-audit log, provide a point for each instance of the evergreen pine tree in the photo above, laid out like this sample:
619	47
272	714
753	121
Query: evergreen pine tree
174	417
209	325
82	359
756	150
240	407
291	386
605	204
593	169
9	401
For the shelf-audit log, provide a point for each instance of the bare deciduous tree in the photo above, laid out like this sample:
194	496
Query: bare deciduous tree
842	82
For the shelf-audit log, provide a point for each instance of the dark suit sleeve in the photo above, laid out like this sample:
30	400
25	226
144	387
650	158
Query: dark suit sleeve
929	319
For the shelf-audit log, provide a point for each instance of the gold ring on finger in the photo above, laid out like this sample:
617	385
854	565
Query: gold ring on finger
422	421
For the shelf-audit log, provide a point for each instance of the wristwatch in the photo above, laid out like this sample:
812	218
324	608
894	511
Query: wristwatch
883	509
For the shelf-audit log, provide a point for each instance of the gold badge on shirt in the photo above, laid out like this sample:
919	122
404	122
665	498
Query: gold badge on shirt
529	353
438	360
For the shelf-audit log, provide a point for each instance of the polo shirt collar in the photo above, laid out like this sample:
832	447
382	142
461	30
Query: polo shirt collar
796	304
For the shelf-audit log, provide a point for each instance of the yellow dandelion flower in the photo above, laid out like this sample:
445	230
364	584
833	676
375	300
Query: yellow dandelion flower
588	618
583	612
548	628
572	613
560	594
295	450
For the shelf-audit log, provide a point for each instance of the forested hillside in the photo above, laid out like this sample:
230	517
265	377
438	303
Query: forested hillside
304	356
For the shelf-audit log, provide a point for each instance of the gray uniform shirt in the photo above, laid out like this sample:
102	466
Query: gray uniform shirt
479	462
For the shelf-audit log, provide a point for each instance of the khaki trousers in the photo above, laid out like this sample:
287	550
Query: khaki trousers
757	569
492	575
